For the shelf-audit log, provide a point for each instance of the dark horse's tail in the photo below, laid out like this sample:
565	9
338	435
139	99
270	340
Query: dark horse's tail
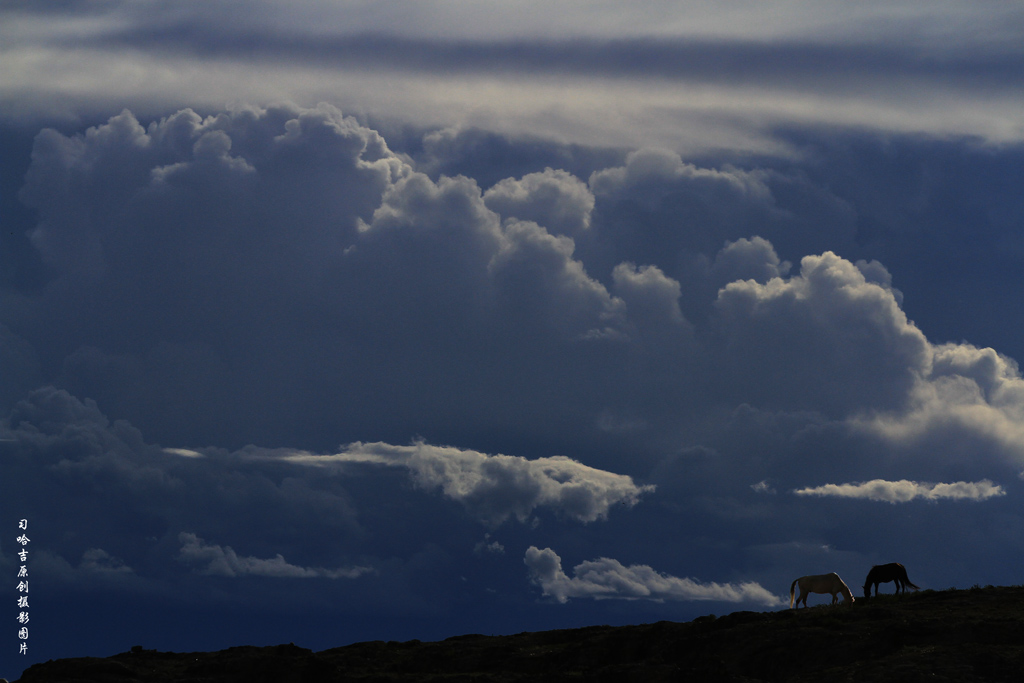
906	579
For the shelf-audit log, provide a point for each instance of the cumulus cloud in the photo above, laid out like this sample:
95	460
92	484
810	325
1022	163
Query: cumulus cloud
345	278
608	578
651	297
407	302
495	488
650	173
224	561
304	225
827	339
659	209
125	171
904	491
969	396
748	259
647	208
74	440
557	200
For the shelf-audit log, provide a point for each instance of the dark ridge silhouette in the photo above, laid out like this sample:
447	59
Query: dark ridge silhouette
884	573
953	635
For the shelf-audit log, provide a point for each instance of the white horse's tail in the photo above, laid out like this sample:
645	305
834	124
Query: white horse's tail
791	593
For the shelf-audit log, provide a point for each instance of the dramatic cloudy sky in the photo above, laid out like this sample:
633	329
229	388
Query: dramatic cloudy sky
331	321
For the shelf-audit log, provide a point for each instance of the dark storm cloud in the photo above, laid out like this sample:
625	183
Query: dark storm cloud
284	266
295	242
648	211
79	472
167	206
655	347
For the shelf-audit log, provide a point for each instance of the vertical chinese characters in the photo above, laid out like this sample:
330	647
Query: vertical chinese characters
23	540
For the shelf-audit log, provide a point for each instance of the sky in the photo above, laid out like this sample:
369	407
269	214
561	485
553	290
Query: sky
325	322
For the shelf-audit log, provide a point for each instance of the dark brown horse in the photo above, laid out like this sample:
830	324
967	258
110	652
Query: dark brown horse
884	573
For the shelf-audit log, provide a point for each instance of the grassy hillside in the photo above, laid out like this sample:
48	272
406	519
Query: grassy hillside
955	635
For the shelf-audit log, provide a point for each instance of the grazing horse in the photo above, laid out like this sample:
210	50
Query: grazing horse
821	583
884	573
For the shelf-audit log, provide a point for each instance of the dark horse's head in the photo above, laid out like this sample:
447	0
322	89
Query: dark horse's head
870	579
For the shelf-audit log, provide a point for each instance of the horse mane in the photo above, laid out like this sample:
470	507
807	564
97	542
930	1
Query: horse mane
847	593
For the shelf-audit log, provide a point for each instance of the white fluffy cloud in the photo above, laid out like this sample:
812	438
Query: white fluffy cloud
970	397
224	561
608	578
495	488
904	491
827	339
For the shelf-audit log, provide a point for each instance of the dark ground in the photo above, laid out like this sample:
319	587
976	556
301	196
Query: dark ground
955	635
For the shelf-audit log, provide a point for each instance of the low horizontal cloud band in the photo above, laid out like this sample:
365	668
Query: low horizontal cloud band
607	578
904	491
495	488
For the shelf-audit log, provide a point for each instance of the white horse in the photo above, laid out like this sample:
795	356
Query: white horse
821	583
